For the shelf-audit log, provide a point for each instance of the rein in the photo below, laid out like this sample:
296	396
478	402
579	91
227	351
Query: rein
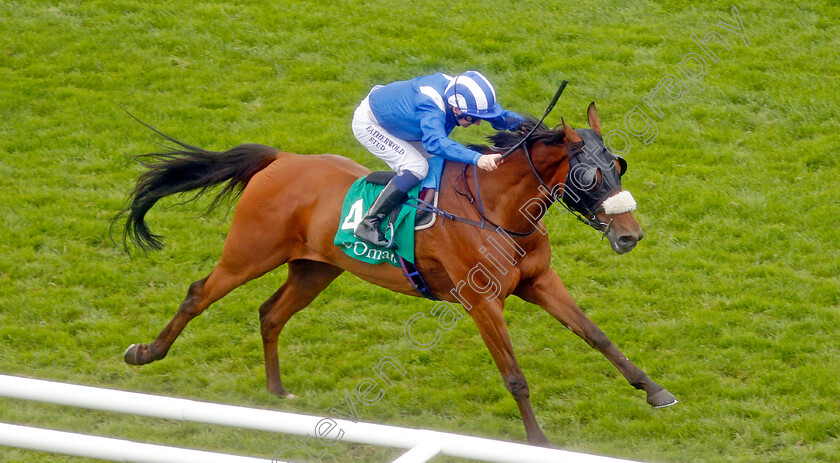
483	224
478	206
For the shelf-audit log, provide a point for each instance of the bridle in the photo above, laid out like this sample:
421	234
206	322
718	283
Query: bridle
587	216
591	215
590	218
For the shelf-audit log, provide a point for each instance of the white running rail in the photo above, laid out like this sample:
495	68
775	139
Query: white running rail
422	445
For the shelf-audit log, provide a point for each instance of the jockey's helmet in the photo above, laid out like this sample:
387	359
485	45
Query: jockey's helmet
473	94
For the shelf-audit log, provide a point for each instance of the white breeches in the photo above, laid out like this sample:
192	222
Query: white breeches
400	155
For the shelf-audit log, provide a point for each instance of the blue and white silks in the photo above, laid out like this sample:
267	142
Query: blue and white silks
415	111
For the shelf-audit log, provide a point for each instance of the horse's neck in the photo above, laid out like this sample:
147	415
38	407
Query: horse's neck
505	191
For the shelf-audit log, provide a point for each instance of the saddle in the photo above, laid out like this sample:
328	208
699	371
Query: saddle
424	218
417	210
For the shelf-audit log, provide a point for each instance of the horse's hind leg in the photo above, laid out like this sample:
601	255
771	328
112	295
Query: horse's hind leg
306	280
241	261
200	295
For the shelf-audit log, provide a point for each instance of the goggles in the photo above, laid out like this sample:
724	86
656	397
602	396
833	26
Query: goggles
468	118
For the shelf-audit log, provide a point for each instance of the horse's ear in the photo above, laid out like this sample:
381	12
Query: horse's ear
592	116
570	134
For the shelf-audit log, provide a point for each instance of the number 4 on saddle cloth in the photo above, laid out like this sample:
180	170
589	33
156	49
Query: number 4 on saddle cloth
400	227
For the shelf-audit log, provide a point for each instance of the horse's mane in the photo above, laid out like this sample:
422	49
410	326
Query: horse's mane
504	139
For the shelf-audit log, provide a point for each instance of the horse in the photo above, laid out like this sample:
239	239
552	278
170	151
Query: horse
288	213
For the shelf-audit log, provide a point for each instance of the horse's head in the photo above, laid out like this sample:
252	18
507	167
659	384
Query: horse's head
575	168
592	185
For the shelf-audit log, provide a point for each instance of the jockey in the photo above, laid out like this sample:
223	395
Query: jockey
406	122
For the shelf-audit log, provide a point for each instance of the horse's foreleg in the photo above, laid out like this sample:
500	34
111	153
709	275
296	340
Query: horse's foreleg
493	330
305	281
549	292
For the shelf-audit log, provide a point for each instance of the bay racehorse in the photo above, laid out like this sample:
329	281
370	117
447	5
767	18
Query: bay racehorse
288	213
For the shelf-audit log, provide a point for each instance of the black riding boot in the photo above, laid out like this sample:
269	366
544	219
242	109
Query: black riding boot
368	228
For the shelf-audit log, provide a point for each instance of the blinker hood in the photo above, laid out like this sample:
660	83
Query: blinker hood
584	190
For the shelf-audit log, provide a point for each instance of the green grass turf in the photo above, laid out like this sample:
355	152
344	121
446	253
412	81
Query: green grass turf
731	301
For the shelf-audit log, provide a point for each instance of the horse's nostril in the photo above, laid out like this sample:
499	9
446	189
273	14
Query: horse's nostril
627	241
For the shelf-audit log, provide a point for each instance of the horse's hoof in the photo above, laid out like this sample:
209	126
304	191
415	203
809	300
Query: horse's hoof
281	393
132	355
543	443
539	440
662	399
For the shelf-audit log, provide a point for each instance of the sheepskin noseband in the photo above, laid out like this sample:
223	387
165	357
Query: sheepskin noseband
619	203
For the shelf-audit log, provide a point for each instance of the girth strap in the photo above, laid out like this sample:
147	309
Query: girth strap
416	279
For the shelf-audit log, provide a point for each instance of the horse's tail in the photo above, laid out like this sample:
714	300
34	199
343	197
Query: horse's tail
185	170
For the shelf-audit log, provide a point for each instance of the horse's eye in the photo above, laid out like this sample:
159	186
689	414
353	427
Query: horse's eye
586	178
589	177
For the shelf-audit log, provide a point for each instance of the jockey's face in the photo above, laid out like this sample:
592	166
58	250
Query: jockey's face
465	120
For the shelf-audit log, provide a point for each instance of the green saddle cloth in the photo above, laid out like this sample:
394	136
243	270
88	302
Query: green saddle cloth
357	201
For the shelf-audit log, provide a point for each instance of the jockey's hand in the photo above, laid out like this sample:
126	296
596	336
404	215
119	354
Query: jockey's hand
488	162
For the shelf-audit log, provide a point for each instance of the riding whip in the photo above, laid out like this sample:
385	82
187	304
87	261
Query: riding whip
547	110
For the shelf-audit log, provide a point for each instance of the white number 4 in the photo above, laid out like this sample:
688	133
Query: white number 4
354	216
